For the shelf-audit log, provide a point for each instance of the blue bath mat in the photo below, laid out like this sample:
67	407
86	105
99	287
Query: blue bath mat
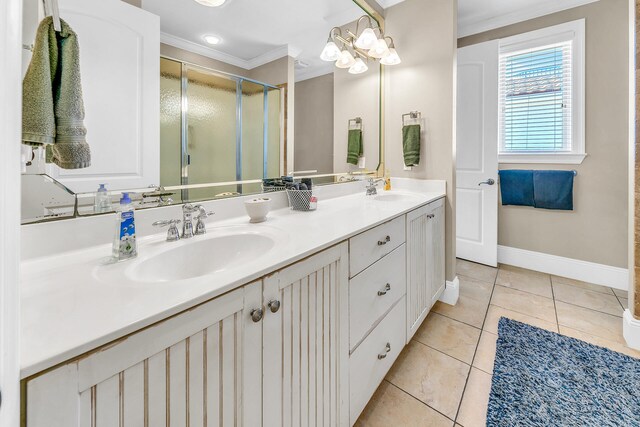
541	378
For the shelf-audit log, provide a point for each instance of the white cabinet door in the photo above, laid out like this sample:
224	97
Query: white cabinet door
425	262
306	343
199	368
121	92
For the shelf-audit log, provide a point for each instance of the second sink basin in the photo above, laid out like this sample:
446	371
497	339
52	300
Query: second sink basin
200	256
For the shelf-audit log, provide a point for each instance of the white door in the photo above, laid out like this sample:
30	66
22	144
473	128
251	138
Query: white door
10	129
121	93
477	154
306	342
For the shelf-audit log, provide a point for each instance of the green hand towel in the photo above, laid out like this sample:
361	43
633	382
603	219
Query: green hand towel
354	147
52	105
411	144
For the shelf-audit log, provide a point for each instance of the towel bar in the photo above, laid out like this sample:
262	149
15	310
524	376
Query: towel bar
575	172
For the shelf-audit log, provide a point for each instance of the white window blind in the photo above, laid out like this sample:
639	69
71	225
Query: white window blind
536	100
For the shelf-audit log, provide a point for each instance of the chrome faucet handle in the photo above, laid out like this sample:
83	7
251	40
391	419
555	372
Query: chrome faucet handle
201	228
173	234
371	186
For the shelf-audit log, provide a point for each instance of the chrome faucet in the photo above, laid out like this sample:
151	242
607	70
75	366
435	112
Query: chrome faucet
187	222
188	210
371	186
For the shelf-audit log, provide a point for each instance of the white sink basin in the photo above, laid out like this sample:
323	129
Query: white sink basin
393	197
201	256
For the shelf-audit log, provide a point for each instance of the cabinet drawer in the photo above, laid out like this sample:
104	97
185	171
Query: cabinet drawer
374	291
366	367
368	247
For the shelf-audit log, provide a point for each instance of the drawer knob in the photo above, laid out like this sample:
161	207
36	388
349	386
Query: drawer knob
386	289
387	349
430	216
384	241
256	315
274	306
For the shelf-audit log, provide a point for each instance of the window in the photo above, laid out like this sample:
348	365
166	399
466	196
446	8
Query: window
541	96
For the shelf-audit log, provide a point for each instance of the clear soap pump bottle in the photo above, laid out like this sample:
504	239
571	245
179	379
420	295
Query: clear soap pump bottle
103	202
124	242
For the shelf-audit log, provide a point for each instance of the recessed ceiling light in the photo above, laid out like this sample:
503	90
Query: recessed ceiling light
212	39
211	3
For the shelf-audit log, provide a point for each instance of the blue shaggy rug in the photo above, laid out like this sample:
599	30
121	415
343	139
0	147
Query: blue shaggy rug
541	378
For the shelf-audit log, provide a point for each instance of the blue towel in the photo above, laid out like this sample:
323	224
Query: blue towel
516	187
553	189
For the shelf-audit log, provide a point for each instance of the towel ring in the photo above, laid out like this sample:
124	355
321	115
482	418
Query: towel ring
413	115
357	123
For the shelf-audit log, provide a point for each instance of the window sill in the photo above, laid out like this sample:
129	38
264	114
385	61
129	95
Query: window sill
551	158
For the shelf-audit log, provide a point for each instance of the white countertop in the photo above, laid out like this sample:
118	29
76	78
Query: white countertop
73	303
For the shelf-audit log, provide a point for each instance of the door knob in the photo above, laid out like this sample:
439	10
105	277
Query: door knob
274	306
256	315
490	181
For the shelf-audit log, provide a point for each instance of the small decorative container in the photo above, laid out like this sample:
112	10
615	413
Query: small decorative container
300	200
258	209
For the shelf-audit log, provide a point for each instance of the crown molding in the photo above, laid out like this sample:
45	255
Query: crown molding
471	27
313	72
265	58
385	4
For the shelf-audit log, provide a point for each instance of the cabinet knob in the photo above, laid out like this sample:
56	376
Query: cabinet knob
386	289
384	241
274	306
387	349
256	314
430	216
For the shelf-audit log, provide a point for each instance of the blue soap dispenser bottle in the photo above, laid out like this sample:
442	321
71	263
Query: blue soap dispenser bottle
124	242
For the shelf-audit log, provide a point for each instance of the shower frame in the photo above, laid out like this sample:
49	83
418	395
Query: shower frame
184	120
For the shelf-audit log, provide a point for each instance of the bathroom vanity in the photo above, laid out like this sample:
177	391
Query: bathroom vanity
301	333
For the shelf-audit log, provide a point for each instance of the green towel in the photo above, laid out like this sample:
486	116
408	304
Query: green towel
411	144
354	147
52	106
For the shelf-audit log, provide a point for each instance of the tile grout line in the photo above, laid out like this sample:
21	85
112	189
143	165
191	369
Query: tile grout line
414	397
475	352
555	308
442	352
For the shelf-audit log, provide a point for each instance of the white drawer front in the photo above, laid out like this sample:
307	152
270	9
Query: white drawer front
366	368
368	247
374	291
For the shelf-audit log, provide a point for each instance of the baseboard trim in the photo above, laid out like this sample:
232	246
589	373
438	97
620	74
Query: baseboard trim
600	274
631	330
451	292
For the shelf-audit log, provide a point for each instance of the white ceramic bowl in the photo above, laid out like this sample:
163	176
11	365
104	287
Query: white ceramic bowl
258	208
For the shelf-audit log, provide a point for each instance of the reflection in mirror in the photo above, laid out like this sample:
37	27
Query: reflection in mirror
185	102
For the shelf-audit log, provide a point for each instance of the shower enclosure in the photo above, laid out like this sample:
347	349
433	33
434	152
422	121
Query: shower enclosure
217	128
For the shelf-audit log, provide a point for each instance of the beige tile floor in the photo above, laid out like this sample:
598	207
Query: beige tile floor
443	377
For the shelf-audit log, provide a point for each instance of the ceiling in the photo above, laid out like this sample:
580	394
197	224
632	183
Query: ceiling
476	16
254	32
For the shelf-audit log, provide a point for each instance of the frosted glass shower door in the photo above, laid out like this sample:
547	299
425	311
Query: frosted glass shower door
211	108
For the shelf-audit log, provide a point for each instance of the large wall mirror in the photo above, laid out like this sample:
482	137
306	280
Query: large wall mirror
187	102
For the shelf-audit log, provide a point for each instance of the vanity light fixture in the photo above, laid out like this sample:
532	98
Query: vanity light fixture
346	60
212	39
353	51
211	3
392	58
358	67
331	51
